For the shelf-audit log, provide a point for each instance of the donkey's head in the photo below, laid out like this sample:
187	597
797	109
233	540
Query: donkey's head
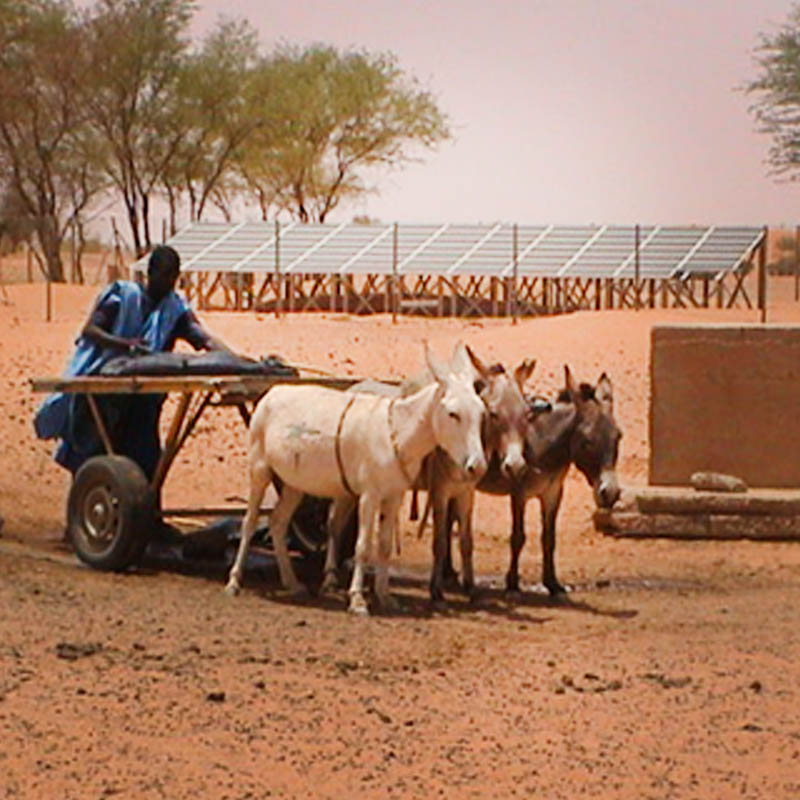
458	415
505	422
594	444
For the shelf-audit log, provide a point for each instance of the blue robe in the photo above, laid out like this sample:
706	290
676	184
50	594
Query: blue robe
65	416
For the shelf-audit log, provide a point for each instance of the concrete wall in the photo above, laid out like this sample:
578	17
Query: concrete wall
725	398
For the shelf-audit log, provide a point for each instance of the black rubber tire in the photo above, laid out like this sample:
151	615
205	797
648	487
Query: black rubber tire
110	513
308	530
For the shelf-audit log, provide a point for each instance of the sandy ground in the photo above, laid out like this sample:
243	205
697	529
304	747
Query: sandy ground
670	671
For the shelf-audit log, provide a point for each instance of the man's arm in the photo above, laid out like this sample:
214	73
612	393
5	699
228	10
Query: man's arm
98	326
191	329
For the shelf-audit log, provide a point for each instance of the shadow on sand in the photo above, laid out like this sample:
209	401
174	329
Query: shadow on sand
409	588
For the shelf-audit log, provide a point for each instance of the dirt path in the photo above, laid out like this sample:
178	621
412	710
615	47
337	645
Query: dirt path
670	671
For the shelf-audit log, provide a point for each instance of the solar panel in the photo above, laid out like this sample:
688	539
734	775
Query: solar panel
449	249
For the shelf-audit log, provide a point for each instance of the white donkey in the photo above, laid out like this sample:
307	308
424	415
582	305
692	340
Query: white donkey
342	444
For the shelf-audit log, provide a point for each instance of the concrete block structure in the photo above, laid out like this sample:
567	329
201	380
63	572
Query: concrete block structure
725	398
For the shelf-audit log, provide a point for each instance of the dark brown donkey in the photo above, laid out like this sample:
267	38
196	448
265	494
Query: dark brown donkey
452	494
579	428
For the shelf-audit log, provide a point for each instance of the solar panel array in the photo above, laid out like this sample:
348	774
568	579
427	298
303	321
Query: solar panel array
582	251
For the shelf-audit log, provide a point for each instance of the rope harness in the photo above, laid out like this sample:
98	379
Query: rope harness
392	438
338	445
395	447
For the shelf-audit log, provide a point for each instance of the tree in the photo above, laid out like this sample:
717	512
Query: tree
329	118
216	118
777	110
138	49
48	179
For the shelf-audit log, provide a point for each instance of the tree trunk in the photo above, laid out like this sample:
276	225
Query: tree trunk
50	243
146	222
133	222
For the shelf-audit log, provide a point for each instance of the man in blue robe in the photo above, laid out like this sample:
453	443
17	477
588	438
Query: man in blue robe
127	319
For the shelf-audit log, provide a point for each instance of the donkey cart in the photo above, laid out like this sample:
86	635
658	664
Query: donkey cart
113	508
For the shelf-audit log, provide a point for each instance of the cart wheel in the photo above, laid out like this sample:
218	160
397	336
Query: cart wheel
308	529
110	512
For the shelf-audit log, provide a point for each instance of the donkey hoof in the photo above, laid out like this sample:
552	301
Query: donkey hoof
389	604
439	605
358	607
555	588
451	581
232	589
329	584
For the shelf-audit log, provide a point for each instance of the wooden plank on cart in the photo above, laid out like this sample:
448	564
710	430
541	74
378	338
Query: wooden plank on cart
157	384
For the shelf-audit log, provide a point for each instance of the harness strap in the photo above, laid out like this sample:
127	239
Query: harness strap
338	445
393	437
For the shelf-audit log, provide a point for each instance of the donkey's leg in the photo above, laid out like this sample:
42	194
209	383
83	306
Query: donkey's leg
517	540
260	478
387	530
279	522
463	508
338	515
449	573
550	503
441	542
367	509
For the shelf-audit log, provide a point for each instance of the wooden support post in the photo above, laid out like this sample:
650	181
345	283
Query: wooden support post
100	424
278	293
171	442
762	276
290	290
394	272
637	240
796	265
514	273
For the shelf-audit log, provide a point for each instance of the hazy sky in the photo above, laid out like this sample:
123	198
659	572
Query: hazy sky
582	111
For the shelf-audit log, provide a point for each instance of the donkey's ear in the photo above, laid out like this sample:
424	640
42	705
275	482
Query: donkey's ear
605	392
477	364
572	387
459	361
524	371
438	369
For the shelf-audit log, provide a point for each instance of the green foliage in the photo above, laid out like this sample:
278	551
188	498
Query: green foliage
329	118
215	117
47	179
121	101
777	87
137	51
784	261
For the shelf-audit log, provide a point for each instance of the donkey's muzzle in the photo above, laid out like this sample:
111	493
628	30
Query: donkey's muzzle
513	466
606	492
474	467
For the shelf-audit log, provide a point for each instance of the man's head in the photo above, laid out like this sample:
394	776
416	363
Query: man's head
163	269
